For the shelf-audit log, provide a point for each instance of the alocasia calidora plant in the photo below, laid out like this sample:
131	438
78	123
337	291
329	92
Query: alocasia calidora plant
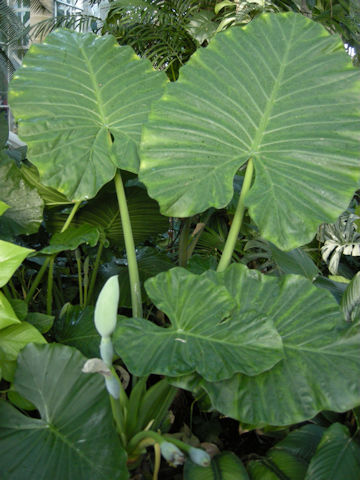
279	97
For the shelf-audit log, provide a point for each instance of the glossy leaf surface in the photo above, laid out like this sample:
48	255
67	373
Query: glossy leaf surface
208	332
74	436
7	314
268	91
81	101
321	363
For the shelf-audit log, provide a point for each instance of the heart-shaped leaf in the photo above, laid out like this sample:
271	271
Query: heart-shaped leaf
208	333
268	91
81	101
74	436
321	363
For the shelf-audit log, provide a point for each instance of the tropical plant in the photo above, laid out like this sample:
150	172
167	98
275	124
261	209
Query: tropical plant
265	350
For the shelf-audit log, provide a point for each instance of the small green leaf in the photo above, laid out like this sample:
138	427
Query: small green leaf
72	238
11	257
7	314
41	321
12	340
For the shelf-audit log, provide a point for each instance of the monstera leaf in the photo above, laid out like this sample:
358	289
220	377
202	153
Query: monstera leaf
321	361
74	436
81	101
268	91
208	334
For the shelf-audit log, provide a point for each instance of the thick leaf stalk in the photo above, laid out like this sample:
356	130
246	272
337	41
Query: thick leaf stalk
134	278
237	221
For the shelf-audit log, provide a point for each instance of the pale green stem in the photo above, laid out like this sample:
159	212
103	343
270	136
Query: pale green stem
237	221
86	280
71	216
94	272
118	418
135	287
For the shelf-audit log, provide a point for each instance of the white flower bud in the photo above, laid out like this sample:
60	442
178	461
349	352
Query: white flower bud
172	453
107	306
199	456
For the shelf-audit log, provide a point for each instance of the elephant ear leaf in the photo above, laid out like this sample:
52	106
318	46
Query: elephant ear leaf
81	101
76	440
281	91
208	332
321	362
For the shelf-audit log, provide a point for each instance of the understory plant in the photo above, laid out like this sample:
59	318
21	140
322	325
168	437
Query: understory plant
265	118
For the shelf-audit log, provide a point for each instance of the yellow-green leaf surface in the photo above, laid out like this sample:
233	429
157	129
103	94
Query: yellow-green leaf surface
280	90
11	257
81	101
7	314
208	334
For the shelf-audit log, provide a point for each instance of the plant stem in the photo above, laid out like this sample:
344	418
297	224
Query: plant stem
157	453
50	285
37	280
184	242
95	270
237	221
42	270
78	263
135	287
118	418
197	235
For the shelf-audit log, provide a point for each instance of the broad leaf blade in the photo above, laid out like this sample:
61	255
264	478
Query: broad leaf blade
75	436
337	456
96	96
268	91
208	334
321	363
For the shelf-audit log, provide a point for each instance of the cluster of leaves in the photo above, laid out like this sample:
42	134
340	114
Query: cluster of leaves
268	351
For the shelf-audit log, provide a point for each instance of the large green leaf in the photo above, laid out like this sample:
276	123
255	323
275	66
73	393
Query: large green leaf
350	301
270	92
337	456
74	436
321	363
81	101
208	334
11	257
26	206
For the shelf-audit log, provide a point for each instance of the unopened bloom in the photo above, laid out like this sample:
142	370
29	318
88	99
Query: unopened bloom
172	453
199	456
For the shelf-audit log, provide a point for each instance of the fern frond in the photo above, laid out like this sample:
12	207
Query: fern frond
79	22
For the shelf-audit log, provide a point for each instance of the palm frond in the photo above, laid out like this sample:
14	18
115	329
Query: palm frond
79	22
